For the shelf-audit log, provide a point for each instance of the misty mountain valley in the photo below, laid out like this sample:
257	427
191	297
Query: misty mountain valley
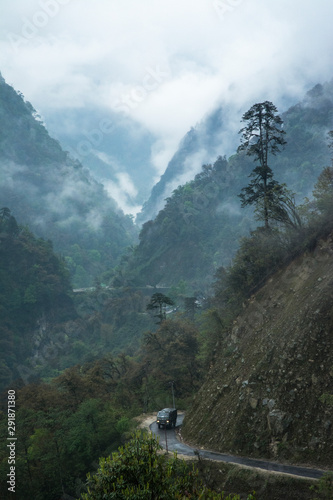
215	299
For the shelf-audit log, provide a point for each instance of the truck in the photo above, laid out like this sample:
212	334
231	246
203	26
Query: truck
166	418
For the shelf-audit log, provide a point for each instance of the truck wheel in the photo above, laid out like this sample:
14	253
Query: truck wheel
159	426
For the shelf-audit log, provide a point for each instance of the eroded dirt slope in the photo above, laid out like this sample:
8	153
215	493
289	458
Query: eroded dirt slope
261	396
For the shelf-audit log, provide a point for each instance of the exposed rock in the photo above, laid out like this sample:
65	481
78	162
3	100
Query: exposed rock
278	422
268	401
253	403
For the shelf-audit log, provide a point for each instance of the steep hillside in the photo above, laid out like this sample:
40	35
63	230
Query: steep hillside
306	125
262	394
115	148
55	195
200	226
197	231
44	326
34	287
202	144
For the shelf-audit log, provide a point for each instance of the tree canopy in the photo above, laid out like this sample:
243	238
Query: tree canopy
263	135
138	471
158	302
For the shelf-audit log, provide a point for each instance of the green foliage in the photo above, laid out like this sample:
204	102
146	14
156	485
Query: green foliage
327	399
62	428
158	303
138	471
266	251
323	191
211	329
324	489
263	135
259	256
86	411
55	196
33	282
179	291
171	354
183	243
200	225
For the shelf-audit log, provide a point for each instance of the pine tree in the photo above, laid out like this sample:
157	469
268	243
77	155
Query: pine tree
263	135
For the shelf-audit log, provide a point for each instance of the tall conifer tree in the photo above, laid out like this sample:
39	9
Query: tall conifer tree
263	135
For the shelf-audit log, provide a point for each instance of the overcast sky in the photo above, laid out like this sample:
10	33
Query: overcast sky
164	63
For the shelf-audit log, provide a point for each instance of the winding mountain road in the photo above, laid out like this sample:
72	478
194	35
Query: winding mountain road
168	439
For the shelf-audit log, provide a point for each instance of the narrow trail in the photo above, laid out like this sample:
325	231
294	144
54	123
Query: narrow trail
169	440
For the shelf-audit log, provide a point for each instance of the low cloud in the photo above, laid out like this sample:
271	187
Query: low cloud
124	191
212	53
229	209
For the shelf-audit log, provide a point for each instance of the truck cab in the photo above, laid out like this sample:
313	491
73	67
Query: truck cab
167	418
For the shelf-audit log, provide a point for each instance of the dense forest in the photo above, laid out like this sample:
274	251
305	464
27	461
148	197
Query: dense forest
85	363
305	123
56	196
34	283
199	228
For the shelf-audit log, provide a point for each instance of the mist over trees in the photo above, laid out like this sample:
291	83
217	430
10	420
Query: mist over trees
56	196
85	363
263	135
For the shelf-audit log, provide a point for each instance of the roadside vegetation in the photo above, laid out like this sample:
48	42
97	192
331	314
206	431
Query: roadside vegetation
120	349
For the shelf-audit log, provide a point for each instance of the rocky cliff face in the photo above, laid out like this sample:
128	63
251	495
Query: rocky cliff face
262	394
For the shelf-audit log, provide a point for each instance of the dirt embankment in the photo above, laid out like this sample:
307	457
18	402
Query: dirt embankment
261	398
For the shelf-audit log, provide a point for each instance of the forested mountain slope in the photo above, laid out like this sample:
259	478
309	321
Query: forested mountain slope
115	148
299	165
199	228
201	144
269	367
44	326
265	392
33	292
196	232
55	195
